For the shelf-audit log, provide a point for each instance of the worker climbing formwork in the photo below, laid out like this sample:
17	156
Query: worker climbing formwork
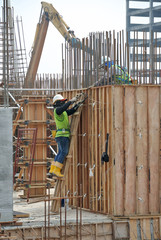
62	134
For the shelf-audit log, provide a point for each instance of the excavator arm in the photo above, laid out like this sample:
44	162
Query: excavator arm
58	22
48	13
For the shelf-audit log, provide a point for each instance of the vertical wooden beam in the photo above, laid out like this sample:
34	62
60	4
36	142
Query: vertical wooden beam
145	228
100	147
142	198
96	147
119	151
111	151
107	130
104	134
154	128
130	159
133	229
90	151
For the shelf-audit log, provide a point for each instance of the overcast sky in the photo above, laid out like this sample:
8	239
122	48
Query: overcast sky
83	17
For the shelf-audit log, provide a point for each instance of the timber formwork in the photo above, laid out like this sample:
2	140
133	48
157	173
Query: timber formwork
130	183
128	187
34	117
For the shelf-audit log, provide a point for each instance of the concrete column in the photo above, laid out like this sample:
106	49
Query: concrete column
6	165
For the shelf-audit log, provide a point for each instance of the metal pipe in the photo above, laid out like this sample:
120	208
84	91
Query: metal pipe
45	212
32	89
52	150
65	214
4	50
14	99
60	214
48	212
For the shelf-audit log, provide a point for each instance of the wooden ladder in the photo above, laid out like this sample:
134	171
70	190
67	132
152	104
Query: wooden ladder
60	184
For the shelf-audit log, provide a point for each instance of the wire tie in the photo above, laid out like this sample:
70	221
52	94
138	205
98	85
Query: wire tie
139	168
99	198
68	192
139	102
140	199
93	104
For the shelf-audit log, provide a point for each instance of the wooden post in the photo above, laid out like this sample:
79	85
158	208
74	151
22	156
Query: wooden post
130	159
154	128
119	151
142	198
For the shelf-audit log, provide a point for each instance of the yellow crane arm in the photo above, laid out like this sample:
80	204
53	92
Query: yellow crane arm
58	21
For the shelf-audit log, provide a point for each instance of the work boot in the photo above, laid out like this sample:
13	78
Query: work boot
52	167
57	172
58	167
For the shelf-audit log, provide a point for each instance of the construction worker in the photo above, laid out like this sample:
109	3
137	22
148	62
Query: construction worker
61	113
121	75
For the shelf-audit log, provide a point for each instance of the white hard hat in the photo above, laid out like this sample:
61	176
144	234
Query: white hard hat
58	97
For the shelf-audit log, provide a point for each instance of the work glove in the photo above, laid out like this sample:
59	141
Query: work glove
73	100
76	106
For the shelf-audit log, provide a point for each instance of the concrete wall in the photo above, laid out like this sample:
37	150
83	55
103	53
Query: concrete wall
6	165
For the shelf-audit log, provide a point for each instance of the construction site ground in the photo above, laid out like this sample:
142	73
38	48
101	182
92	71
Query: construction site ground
36	213
32	222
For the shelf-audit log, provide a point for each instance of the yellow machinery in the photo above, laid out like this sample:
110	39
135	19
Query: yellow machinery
48	13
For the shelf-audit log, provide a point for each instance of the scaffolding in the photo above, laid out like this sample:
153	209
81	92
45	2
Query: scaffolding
13	60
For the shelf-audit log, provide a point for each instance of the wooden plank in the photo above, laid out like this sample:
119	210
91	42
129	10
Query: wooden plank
107	130
74	171
83	160
104	134
130	159
100	149
154	144
159	228
87	161
96	149
111	152
17	214
160	145
142	151
93	164
156	228
17	118
145	228
119	151
133	229
90	150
